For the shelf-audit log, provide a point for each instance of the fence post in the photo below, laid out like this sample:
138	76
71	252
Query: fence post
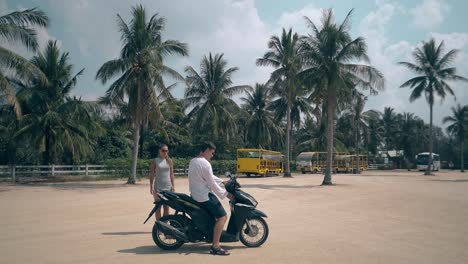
86	173
53	170
13	173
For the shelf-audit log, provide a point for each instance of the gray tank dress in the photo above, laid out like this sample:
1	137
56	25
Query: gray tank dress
162	178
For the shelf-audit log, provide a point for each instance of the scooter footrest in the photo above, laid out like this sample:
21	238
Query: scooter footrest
226	237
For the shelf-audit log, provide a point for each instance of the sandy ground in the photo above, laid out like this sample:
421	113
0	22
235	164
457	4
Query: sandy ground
377	217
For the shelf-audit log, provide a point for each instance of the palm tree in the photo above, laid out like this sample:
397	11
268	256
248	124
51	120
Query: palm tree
210	94
458	128
284	55
157	117
314	136
360	120
433	69
52	118
140	70
375	134
301	106
16	28
261	126
331	56
408	134
389	123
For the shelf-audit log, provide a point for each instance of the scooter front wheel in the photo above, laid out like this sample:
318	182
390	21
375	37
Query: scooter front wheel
254	232
164	241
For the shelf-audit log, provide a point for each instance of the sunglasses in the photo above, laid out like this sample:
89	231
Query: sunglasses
164	150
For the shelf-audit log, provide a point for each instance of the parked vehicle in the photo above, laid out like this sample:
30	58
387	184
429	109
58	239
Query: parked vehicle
259	162
422	159
311	162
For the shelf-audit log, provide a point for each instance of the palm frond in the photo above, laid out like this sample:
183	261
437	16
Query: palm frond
171	47
111	68
7	91
13	33
72	83
21	67
411	66
413	81
16	26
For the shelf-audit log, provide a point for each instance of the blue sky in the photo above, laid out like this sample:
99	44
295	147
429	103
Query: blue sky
241	29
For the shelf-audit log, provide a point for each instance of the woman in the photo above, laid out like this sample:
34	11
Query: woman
161	176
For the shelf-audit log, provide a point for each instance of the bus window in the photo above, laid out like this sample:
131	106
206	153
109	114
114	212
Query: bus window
248	154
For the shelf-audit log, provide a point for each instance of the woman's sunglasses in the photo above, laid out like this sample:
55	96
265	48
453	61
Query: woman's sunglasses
164	150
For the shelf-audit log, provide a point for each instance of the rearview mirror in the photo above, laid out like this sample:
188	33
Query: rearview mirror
228	174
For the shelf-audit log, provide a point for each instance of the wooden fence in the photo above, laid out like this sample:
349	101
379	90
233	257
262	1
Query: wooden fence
16	171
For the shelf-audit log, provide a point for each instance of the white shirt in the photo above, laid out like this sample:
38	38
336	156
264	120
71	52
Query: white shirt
202	181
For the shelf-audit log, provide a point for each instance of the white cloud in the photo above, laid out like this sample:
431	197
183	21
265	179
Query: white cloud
296	21
43	38
430	13
91	25
384	56
373	25
453	40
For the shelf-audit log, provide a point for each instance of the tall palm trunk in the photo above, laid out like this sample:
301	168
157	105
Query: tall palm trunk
287	170
47	156
327	180
462	160
141	141
136	144
136	137
357	146
429	163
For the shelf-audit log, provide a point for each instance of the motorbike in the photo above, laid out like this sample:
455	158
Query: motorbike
192	223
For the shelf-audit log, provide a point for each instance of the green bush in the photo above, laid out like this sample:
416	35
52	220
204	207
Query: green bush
222	166
181	162
122	166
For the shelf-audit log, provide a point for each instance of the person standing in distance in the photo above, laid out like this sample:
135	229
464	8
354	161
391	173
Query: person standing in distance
205	188
161	177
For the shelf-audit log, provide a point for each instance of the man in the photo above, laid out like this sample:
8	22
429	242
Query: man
203	188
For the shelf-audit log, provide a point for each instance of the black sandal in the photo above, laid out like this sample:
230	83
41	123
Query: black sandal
219	251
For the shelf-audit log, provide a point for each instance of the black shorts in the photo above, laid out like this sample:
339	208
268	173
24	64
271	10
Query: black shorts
214	206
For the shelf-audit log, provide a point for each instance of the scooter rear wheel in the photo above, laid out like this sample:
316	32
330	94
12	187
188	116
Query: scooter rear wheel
255	236
165	241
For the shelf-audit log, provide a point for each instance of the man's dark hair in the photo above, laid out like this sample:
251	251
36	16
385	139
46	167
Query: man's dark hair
207	145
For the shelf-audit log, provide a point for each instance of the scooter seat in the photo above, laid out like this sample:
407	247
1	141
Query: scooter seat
187	198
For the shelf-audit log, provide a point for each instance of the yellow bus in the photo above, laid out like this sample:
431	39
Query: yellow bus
313	162
362	163
259	162
342	163
347	163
